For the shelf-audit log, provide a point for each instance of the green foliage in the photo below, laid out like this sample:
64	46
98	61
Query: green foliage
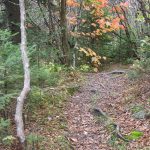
132	74
10	68
40	48
9	53
8	140
4	127
4	124
115	143
46	74
134	135
137	108
73	89
39	97
142	65
85	68
128	61
35	97
33	141
34	138
42	77
5	100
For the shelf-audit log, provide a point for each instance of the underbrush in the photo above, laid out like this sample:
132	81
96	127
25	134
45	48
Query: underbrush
44	119
51	85
46	125
141	66
136	103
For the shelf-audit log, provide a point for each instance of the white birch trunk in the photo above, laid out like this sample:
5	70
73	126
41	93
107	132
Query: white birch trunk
26	87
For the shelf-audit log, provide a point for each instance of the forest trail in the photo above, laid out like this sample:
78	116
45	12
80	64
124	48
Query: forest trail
104	91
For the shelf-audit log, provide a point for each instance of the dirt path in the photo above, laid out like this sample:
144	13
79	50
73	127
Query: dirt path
100	88
105	91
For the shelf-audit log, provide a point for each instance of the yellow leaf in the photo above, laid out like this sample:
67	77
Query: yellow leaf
95	70
84	50
104	58
94	59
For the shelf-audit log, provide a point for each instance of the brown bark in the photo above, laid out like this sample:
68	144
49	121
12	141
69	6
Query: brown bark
64	33
13	14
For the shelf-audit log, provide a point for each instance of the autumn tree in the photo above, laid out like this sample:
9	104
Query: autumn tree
97	18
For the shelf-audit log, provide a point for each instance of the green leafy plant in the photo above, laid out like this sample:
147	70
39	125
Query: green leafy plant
8	140
85	68
46	75
4	125
136	108
36	96
135	135
142	65
33	141
5	100
34	138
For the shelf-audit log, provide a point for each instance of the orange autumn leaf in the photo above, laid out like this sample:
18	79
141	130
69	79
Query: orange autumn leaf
117	8
122	17
72	3
115	23
101	22
122	27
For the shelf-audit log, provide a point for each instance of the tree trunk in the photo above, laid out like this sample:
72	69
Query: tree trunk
13	14
26	87
64	36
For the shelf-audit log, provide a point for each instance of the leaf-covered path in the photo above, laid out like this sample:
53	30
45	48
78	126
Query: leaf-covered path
104	91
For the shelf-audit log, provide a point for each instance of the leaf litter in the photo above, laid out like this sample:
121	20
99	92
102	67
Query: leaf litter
114	94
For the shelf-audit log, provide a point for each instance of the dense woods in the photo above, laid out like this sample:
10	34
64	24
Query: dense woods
52	51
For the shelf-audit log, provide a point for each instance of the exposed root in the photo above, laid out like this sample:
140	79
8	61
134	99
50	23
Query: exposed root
118	134
99	112
117	72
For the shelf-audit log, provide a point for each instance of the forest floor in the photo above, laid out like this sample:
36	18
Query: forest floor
106	111
125	102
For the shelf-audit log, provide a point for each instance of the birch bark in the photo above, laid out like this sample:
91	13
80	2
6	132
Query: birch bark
26	87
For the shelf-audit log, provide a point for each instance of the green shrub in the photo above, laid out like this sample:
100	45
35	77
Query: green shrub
5	99
10	69
136	108
46	74
35	96
33	141
85	68
8	140
4	125
135	135
142	65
